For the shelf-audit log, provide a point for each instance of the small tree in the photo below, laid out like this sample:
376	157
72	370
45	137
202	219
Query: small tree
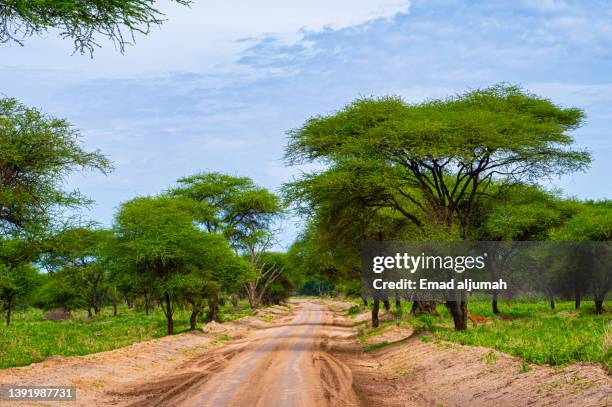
158	240
16	283
590	267
79	253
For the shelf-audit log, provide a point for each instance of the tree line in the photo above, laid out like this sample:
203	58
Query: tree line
207	237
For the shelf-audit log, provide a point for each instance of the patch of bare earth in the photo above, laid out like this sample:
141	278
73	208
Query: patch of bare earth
101	378
409	371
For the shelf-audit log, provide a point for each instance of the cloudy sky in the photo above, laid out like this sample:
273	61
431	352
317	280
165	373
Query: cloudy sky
219	84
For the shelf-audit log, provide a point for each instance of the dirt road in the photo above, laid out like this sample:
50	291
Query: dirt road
277	367
309	355
280	365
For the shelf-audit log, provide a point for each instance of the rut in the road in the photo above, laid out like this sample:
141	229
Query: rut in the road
283	365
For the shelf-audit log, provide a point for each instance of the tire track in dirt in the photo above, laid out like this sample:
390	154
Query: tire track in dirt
246	379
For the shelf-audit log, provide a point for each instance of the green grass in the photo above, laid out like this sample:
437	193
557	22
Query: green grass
374	346
30	338
529	330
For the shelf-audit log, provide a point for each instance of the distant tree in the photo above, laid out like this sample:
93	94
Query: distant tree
79	21
158	241
523	213
345	205
16	284
18	278
588	267
435	160
242	212
79	254
37	153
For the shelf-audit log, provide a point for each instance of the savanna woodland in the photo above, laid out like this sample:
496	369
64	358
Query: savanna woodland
473	166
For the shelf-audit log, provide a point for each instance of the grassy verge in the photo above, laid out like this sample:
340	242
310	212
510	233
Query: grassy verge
30	338
529	330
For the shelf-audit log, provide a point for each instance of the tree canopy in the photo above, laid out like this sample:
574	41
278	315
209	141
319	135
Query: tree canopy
37	153
80	21
434	165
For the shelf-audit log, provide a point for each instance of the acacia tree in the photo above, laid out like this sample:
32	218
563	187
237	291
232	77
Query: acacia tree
16	283
80	21
588	266
242	212
441	156
158	241
344	207
80	254
523	213
37	153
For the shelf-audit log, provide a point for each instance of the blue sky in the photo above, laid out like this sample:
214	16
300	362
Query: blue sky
219	84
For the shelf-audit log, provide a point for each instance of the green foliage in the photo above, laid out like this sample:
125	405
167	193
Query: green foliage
78	261
532	331
436	170
16	284
245	214
30	338
159	243
79	21
37	153
431	161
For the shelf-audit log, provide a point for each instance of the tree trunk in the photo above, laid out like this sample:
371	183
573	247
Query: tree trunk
146	300
9	307
398	304
234	299
375	321
213	310
598	307
552	304
114	308
168	313
193	320
458	310
89	314
251	290
387	305
577	302
494	303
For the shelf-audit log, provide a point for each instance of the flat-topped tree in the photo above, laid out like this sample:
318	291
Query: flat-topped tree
442	155
244	213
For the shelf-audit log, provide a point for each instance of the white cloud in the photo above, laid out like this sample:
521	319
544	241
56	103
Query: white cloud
201	37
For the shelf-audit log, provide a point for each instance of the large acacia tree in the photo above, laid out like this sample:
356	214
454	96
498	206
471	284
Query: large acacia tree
436	159
80	21
37	153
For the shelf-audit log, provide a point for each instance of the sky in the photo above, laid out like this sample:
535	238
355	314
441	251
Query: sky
219	84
